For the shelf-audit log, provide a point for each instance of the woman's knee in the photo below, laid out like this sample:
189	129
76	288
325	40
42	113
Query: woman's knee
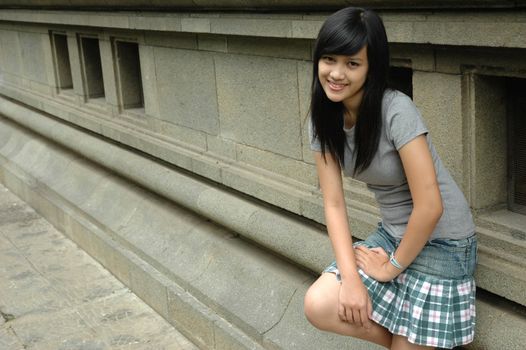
310	303
317	304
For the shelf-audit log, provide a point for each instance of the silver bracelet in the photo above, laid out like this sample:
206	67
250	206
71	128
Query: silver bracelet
395	263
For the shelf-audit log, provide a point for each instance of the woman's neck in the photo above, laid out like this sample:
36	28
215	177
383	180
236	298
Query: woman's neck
351	107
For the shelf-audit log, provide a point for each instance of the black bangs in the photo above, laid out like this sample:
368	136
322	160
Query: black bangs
344	42
341	36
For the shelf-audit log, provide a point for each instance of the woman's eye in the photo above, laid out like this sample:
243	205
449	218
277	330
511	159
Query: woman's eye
353	64
328	58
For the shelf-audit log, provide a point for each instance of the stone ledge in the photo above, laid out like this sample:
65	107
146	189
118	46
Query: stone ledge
491	29
248	5
47	177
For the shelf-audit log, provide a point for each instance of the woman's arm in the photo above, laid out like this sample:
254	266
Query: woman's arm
355	306
427	209
427	202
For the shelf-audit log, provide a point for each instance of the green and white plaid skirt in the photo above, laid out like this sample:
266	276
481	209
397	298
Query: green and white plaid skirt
432	302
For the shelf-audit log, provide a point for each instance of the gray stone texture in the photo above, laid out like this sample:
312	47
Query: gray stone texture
207	42
304	93
489	133
74	59
31	52
149	81
270	47
253	121
180	84
11	52
443	117
54	296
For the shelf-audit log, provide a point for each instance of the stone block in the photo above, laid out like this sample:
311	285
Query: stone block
228	337
270	47
398	32
11	52
180	84
494	61
233	211
234	278
149	285
220	146
191	317
501	277
207	42
195	25
157	21
40	88
306	29
269	191
108	72
439	98
111	210
172	40
74	59
185	135
477	29
32	56
506	323
106	20
422	58
258	103
275	163
304	93
488	138
251	27
303	244
149	80
47	58
207	167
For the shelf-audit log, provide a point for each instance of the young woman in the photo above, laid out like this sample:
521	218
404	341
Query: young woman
410	284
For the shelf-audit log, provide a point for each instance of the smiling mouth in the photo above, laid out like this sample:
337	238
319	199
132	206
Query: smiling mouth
336	86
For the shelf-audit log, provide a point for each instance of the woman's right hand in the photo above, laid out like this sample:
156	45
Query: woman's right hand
354	305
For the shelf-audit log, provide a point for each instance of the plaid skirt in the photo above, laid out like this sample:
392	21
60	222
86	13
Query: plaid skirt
432	302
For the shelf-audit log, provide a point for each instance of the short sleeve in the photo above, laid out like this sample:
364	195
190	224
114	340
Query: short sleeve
404	121
314	141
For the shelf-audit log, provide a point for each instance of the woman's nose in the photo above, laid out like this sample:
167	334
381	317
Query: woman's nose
336	73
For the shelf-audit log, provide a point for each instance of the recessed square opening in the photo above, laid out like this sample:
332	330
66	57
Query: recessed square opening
129	79
516	115
91	67
62	64
401	78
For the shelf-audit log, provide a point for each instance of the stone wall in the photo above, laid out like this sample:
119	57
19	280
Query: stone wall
223	97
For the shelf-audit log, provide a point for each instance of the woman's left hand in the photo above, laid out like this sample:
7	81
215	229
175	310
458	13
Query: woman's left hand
375	263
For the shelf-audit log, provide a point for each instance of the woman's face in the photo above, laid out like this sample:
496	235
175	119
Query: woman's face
342	77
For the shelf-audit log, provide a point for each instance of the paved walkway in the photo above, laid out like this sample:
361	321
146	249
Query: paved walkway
55	296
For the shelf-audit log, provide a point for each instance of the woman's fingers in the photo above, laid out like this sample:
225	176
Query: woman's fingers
342	313
379	250
357	320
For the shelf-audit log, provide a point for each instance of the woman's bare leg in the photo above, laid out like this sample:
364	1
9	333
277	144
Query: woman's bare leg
401	343
321	309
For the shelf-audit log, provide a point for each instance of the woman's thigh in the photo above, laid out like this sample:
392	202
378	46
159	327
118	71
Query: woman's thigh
321	309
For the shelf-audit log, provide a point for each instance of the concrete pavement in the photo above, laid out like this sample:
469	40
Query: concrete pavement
55	296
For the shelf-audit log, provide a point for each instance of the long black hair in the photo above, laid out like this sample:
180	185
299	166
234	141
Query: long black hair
345	33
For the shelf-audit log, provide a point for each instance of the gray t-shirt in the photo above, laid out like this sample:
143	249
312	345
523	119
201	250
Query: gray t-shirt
385	177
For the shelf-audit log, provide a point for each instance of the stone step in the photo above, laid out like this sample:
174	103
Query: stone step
204	277
221	291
